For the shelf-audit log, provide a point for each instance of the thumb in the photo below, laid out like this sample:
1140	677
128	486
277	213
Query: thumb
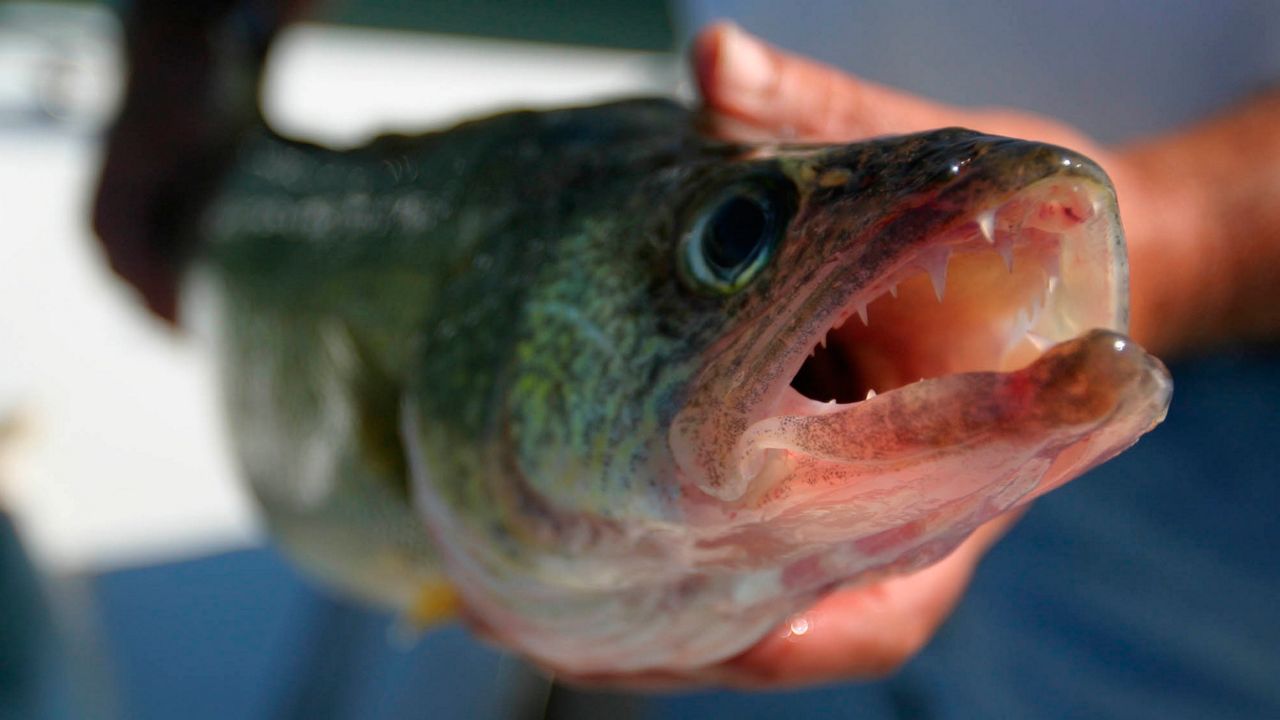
747	80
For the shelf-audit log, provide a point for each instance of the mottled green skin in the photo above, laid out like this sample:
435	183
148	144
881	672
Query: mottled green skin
487	269
500	308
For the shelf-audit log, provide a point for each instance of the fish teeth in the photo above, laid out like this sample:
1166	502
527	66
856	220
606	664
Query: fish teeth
987	225
893	290
1053	266
1021	322
939	280
1050	285
871	392
935	263
1005	248
862	313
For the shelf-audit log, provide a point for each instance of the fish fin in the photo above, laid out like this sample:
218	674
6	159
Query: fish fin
435	602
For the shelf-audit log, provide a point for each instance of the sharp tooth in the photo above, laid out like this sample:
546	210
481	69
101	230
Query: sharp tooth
1050	285
939	280
1053	266
862	312
893	290
1005	248
1021	323
935	263
870	393
823	342
987	225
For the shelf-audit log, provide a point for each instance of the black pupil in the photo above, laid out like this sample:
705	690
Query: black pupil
736	233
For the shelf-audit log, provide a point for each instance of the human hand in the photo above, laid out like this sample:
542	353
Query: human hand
863	632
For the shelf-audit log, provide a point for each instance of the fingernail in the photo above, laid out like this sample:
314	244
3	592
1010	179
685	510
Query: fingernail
745	64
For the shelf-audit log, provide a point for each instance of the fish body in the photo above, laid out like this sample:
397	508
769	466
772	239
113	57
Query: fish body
638	393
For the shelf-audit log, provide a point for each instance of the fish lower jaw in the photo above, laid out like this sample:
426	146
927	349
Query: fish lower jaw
989	294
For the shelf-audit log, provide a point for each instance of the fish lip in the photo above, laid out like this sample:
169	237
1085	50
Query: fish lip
971	232
1080	403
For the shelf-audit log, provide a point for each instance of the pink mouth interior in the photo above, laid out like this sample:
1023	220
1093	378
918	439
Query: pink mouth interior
991	294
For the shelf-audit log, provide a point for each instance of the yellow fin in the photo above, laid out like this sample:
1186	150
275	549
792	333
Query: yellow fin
436	602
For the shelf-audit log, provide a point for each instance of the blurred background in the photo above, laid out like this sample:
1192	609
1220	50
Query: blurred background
136	582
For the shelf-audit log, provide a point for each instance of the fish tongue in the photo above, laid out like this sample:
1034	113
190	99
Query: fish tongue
1080	403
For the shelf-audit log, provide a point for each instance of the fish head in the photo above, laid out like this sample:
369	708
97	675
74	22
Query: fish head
906	259
843	360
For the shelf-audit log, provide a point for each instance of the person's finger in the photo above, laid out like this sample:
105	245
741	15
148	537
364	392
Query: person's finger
865	632
854	633
757	86
748	80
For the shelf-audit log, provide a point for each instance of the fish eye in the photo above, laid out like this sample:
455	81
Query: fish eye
735	235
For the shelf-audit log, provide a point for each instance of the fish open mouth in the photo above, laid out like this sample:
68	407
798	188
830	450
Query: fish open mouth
982	358
988	295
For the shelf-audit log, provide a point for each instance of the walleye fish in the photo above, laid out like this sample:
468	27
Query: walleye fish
633	394
638	394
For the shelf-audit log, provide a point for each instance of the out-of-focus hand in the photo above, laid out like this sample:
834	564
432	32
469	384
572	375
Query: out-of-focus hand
176	132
